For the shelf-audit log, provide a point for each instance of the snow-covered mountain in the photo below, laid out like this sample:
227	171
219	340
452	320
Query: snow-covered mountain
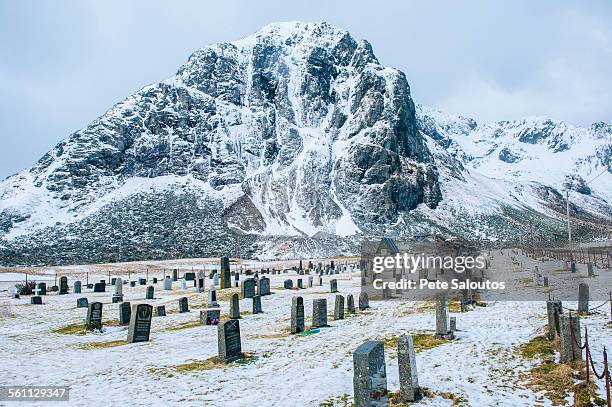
292	140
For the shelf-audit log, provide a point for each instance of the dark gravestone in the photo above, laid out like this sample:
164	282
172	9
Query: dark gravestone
140	323
236	279
54	288
264	286
319	313
257	304
573	266
36	300
554	309
364	301
183	305
226	279
310	282
297	315
142	281
175	275
288	284
113	280
154	280
248	288
63	285
77	287
370	376
161	310
350	303
132	283
125	313
583	298
99	287
235	307
82	303
590	271
333	285
211	316
228	340
42	287
150	292
189	276
339	308
90	286
299	283
94	316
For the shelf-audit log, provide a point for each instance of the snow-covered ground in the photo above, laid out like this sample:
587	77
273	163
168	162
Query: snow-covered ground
482	365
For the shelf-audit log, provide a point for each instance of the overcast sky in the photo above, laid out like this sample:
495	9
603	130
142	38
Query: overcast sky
63	63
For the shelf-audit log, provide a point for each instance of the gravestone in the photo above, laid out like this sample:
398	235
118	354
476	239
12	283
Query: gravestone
36	300
125	313
63	287
350	303
168	284
216	279
570	344
264	286
288	284
297	315
154	280
333	285
235	307
370	376
339	308
42	287
573	266
99	287
228	340
77	287
82	303
236	279
406	360
113	281
175	275
183	305
132	283
453	324
364	301
201	281
140	323
189	276
583	298
442	330
212	297
257	304
161	310
183	284
319	313
590	271
299	283
54	288
248	288
118	295
150	293
320	281
310	282
226	279
142	281
94	316
211	316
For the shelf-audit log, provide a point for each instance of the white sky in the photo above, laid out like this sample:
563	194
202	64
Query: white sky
63	63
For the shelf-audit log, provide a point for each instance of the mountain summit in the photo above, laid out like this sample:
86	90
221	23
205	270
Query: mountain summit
294	140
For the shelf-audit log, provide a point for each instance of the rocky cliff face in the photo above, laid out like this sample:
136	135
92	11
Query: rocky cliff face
296	130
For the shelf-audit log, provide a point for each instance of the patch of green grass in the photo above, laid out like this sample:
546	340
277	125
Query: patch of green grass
554	379
538	346
421	341
199	365
586	395
108	344
338	401
184	325
72	329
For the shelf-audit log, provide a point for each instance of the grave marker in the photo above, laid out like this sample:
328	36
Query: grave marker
211	316
125	313
369	375
77	287
235	307
319	313
583	298
168	284
226	279
212	297
118	295
333	285
161	310
63	285
569	350
264	286
42	288
82	303
140	323
350	303
248	288
406	360
288	284
339	308
297	315
364	301
150	293
257	304
99	287
183	305
228	340
94	316
36	300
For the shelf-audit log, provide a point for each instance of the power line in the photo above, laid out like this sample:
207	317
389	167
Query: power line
594	178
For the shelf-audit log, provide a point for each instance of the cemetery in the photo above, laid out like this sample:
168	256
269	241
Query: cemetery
185	322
